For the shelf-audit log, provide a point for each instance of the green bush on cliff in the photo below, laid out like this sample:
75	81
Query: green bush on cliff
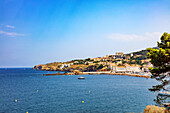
100	67
96	62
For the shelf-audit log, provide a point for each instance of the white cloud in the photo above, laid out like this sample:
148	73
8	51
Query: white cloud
132	37
11	33
8	32
9	26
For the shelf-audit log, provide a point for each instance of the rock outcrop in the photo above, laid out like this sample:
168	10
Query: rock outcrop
155	109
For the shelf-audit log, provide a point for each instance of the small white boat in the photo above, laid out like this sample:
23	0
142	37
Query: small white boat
81	78
164	93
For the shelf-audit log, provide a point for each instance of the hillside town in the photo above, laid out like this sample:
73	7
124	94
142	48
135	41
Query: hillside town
135	62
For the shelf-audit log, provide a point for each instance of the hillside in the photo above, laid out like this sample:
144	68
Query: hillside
138	58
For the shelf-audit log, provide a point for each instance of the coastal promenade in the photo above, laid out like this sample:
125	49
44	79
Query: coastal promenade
100	73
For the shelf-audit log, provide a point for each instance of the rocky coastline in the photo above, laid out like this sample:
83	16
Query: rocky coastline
97	73
70	71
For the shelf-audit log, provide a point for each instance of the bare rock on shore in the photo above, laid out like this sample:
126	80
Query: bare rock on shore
77	72
155	109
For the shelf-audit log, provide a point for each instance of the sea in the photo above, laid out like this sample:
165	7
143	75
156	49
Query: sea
24	90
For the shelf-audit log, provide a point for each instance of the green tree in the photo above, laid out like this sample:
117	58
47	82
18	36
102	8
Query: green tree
88	59
100	66
160	58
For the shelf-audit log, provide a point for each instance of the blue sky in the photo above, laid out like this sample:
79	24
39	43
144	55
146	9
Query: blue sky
41	31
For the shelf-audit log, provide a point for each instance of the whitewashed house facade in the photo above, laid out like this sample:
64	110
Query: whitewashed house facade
125	69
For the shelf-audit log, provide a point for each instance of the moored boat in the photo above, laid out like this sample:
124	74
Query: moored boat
81	78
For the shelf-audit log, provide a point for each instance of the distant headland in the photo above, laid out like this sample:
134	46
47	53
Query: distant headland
133	63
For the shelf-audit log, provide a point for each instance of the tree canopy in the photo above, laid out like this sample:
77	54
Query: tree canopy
160	58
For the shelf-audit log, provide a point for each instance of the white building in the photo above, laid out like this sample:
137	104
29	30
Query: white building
133	69
119	53
119	69
64	65
76	62
125	69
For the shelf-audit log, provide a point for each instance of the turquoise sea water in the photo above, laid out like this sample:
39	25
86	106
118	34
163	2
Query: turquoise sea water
64	94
